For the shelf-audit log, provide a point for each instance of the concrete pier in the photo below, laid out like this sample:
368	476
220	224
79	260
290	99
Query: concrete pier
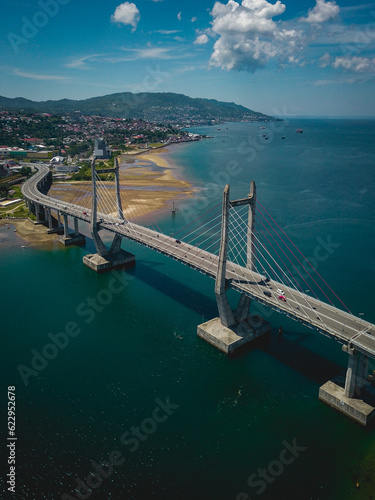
68	238
355	408
229	339
355	398
118	260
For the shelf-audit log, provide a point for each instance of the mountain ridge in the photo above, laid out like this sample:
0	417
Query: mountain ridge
158	107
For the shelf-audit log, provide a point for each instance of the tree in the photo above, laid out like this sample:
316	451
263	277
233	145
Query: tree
25	171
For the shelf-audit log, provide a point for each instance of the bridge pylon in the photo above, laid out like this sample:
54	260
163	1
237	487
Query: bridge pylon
233	329
106	259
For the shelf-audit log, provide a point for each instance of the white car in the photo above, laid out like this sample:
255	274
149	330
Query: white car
281	292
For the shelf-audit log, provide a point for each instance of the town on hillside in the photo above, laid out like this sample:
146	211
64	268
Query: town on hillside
69	142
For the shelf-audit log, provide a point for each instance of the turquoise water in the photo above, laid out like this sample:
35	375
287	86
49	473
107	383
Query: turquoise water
139	347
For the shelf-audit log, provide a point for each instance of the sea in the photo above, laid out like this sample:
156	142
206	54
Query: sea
116	396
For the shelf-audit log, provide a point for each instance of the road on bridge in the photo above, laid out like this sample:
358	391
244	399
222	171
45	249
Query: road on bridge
328	320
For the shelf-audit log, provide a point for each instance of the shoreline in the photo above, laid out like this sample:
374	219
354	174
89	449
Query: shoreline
33	234
151	181
141	200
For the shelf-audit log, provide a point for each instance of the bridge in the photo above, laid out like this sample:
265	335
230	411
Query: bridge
224	245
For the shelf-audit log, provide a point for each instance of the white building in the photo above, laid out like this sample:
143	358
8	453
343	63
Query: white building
101	150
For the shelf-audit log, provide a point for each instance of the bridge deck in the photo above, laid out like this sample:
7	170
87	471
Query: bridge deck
314	313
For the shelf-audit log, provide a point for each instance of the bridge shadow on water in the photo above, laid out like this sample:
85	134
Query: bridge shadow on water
286	349
298	357
190	297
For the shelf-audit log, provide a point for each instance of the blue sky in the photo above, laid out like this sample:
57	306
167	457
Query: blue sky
307	57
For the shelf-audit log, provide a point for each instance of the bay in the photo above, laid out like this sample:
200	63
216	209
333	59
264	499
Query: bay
231	417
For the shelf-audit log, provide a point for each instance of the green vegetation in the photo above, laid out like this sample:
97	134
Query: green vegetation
84	173
154	107
4	188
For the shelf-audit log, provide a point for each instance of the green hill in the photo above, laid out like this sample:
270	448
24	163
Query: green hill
154	107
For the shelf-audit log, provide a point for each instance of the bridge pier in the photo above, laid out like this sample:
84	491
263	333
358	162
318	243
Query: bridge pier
233	329
54	224
68	238
351	398
115	257
40	213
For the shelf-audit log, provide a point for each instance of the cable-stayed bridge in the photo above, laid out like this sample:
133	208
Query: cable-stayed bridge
240	246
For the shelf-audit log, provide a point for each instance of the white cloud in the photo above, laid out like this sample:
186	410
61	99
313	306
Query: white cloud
179	16
166	32
322	12
128	14
38	76
325	60
193	19
249	37
357	64
80	62
201	39
150	53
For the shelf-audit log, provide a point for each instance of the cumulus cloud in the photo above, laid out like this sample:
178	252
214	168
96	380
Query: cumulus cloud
322	12
179	16
357	64
128	14
248	35
201	39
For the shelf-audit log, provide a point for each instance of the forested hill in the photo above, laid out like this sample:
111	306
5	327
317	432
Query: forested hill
154	107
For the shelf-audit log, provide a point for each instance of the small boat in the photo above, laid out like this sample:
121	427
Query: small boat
14	230
174	210
283	137
23	246
263	128
219	128
299	131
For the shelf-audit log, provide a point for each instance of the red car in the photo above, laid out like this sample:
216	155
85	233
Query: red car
84	213
281	297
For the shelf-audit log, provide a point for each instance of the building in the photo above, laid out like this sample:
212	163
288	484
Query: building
101	150
60	168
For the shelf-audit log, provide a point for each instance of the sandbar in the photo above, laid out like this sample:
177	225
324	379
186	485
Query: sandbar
144	189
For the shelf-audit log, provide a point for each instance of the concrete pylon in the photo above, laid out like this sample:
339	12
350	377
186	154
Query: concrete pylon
118	193
104	259
230	330
99	245
225	311
243	308
250	227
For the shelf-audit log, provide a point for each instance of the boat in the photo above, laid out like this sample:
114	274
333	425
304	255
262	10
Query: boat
299	131
174	209
283	137
219	128
23	246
